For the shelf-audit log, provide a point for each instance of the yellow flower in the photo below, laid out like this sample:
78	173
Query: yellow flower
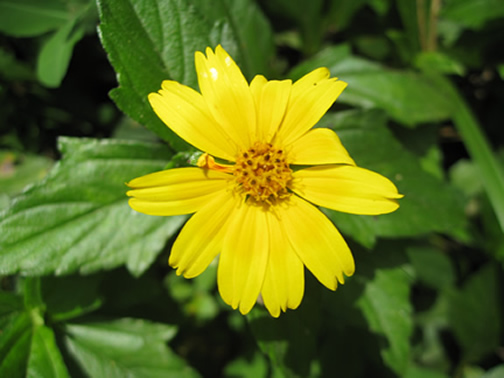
251	206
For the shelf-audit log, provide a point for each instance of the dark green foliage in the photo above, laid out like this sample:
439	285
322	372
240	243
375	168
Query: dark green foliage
85	289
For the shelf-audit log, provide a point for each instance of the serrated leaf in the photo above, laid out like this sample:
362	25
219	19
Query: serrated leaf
28	18
45	358
408	97
77	218
153	40
148	42
474	313
125	347
429	204
385	304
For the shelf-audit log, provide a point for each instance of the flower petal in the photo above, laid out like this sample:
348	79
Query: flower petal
311	97
201	237
271	98
317	242
227	94
242	263
175	191
348	189
185	111
283	285
319	146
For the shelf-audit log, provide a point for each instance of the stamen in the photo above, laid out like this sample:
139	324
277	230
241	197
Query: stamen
260	176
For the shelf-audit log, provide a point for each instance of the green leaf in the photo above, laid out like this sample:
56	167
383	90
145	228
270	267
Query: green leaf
415	28
429	204
15	345
45	358
54	57
408	97
495	372
235	24
154	40
125	347
472	13
474	313
71	296
385	304
19	170
28	18
432	267
435	61
308	18
257	366
290	341
420	372
341	13
148	42
9	302
491	172
13	69
78	218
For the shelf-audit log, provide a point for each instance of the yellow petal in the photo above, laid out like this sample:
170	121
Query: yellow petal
319	146
185	111
227	94
311	97
283	285
317	242
348	189
201	238
271	98
242	263
175	191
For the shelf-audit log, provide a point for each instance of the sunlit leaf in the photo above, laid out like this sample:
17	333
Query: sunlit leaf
154	40
78	218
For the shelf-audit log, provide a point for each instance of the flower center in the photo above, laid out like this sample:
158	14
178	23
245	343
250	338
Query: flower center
263	173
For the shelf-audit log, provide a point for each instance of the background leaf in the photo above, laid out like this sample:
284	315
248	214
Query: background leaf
77	218
374	147
408	97
55	55
385	304
473	315
27	18
125	347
